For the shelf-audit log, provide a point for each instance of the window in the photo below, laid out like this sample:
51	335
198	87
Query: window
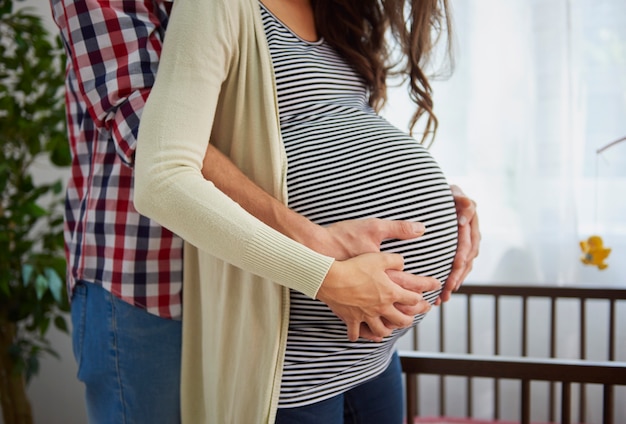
538	87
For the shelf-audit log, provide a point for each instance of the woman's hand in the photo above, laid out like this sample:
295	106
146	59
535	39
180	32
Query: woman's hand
372	295
468	243
373	318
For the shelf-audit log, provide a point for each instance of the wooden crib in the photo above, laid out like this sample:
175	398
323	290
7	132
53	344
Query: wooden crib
523	353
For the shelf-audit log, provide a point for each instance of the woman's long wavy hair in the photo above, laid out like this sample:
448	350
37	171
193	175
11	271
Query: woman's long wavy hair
370	32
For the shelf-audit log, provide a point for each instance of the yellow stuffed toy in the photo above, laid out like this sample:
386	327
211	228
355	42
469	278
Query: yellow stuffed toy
594	252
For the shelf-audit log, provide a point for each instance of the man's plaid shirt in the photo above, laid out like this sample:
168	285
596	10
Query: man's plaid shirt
113	49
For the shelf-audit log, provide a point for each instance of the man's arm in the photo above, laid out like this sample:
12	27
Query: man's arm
341	241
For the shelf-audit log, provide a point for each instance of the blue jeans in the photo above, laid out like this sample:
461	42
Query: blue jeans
128	359
377	401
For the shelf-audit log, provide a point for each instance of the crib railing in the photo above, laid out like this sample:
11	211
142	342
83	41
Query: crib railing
525	370
492	297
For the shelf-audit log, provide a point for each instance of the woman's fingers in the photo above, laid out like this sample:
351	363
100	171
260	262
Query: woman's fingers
366	288
413	283
467	244
420	307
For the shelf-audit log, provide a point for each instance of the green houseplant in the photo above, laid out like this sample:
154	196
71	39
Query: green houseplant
32	264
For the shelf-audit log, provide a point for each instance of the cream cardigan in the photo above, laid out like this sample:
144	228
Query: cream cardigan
215	82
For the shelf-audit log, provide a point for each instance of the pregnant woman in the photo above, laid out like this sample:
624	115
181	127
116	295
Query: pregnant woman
345	162
287	92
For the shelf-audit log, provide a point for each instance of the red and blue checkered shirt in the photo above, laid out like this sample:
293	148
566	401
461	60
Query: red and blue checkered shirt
113	49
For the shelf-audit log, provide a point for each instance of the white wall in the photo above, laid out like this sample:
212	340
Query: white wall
56	395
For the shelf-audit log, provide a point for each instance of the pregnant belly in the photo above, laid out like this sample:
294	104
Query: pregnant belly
360	169
380	172
337	173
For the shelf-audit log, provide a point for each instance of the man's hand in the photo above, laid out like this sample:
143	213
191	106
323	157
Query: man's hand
347	239
468	243
372	295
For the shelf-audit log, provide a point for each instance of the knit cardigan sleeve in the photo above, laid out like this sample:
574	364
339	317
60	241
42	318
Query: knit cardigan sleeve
200	48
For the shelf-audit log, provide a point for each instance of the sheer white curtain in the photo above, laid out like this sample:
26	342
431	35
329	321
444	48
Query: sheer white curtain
538	87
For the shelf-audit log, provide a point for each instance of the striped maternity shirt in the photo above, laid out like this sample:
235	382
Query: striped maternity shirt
346	162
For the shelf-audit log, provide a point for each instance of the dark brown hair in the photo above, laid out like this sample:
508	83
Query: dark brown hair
360	30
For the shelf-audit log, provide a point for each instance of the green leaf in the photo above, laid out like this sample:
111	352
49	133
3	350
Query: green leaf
41	286
35	210
6	7
5	289
15	351
27	272
32	367
44	324
61	324
57	187
55	284
51	352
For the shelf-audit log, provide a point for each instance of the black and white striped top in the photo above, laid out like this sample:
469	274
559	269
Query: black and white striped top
346	162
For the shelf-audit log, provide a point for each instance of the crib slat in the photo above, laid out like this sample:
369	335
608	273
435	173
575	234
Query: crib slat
496	332
525	419
524	325
607	400
552	398
566	403
442	381
442	396
411	398
468	349
583	329
496	399
553	327
612	335
442	327
583	355
412	390
496	344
